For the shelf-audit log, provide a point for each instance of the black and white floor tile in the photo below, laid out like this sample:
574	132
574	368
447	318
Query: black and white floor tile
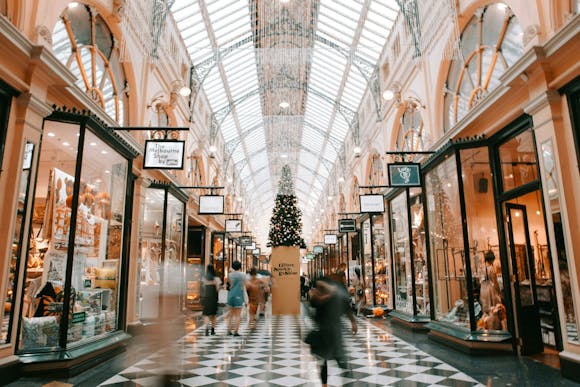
274	355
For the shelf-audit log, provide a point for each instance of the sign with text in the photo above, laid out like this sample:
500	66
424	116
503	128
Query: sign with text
164	154
245	241
346	225
233	225
330	239
318	249
404	174
310	256
211	204
251	246
372	203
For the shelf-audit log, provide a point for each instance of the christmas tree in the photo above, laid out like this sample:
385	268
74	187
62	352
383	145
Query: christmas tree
286	224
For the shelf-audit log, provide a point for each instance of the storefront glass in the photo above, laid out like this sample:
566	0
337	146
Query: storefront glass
98	241
161	241
401	253
381	273
446	244
421	276
17	243
367	265
48	246
150	241
96	204
486	270
217	254
518	161
564	260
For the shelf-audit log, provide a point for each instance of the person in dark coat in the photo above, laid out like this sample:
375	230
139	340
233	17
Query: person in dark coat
331	301
209	300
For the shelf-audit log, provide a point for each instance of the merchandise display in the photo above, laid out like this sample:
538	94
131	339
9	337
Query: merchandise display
95	255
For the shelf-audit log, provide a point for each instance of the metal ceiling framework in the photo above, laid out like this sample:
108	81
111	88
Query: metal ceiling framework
318	57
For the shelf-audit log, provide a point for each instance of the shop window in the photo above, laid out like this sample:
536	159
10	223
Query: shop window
518	161
381	274
446	244
490	43
18	241
92	206
565	266
217	254
83	42
161	243
411	136
402	254
486	269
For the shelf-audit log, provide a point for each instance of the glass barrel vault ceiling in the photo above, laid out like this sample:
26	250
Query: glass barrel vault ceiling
295	51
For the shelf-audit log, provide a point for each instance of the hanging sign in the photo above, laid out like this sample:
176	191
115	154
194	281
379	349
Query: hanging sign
211	204
256	252
245	241
233	225
330	239
404	174
28	149
318	249
310	256
346	225
164	154
372	203
251	246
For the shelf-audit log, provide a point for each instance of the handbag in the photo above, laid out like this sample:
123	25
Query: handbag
222	297
315	339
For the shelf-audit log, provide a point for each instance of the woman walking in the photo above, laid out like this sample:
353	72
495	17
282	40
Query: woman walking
210	285
237	281
359	292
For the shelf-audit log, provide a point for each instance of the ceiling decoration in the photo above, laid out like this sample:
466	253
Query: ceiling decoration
285	80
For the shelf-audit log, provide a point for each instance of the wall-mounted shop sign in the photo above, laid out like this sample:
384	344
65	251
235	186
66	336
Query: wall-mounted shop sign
404	174
28	152
245	240
346	225
211	204
256	252
330	239
251	246
318	249
372	203
164	154
233	225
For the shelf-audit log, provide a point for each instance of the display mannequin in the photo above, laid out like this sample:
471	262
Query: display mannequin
489	294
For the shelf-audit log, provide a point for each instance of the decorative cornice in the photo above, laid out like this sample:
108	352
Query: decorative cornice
568	33
540	101
10	32
533	55
34	103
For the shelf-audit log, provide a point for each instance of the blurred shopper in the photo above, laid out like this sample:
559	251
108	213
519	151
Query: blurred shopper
209	300
331	301
256	296
237	282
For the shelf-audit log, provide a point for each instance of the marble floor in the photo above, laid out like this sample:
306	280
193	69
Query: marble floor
275	355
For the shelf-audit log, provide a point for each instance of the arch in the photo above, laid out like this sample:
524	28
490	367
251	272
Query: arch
409	132
374	169
490	44
83	41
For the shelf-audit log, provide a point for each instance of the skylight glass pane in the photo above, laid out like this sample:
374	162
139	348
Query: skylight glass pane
238	154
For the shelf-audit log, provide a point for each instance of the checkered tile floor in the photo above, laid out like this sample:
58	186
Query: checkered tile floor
274	355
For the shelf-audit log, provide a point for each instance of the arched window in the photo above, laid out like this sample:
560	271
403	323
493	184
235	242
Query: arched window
84	43
490	44
410	137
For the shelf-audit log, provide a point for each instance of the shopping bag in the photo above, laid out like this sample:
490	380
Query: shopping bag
222	297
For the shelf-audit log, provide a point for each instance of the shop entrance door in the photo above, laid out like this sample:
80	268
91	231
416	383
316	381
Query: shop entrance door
529	334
